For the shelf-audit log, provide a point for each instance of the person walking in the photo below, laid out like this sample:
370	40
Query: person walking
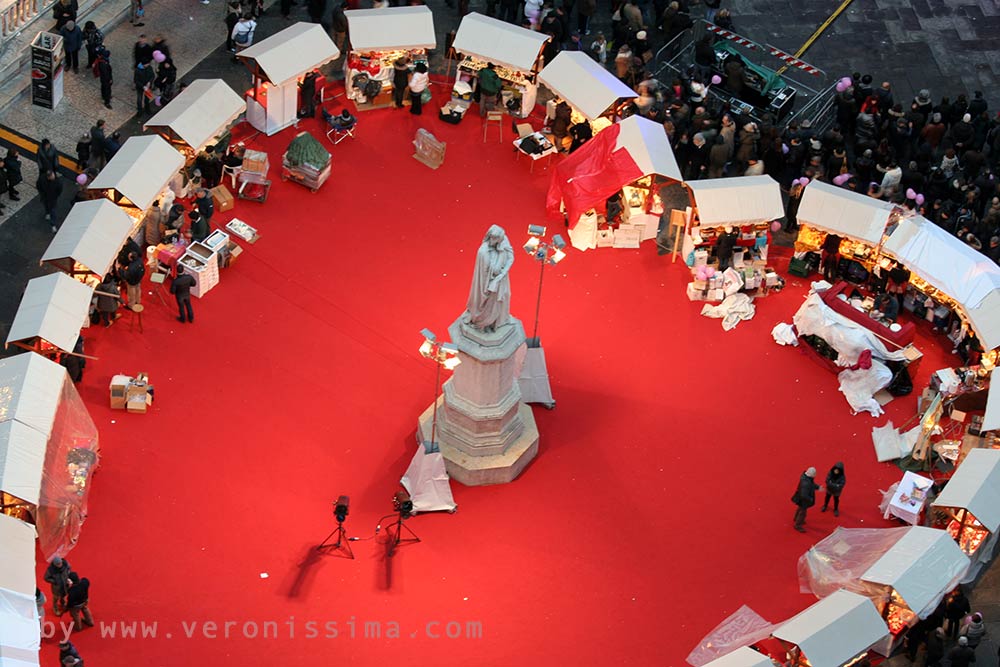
107	301
142	51
166	76
57	576
232	18
418	84
93	39
243	33
12	168
835	481
133	279
47	158
955	610
143	80
49	189
805	497
181	289
98	145
77	600
106	75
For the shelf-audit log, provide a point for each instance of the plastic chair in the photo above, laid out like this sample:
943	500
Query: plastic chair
340	127
232	172
493	118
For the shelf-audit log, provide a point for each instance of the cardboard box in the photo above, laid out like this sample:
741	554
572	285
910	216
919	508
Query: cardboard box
119	385
137	404
222	198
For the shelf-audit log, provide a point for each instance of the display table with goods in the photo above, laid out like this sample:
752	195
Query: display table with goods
969	506
252	178
952	411
730	227
859	306
636	218
909	497
379	38
202	263
278	64
515	52
306	162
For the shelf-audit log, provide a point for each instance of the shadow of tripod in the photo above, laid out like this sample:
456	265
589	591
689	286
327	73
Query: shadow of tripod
340	547
394	533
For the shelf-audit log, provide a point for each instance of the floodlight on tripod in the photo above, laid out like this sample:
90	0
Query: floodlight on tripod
543	252
403	506
446	356
337	542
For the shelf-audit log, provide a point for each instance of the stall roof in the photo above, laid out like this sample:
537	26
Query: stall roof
835	629
92	234
292	52
200	113
737	201
17	553
742	657
844	212
924	564
991	421
584	83
391	28
975	486
30	389
22	458
953	267
140	169
499	42
649	146
54	308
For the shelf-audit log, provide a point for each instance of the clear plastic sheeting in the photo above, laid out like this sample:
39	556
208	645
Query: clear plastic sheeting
70	461
859	387
848	338
742	628
890	444
839	560
734	309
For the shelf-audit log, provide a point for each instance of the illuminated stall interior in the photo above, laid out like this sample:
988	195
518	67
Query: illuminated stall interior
380	37
277	65
593	93
137	174
52	311
745	206
89	239
912	577
837	631
969	506
858	219
197	116
515	51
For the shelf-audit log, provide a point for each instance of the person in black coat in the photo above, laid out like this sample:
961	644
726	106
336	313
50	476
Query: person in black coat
400	77
724	247
12	168
835	482
74	363
64	12
72	43
805	497
106	75
49	189
47	158
956	609
77	601
143	80
181	289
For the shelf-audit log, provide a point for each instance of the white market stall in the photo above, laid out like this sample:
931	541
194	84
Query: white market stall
742	657
22	459
199	114
584	84
36	394
89	239
912	577
20	634
991	419
830	209
969	506
379	37
53	309
277	64
138	172
515	51
950	272
833	632
728	227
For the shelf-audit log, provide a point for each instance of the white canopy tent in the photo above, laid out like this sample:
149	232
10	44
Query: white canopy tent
20	634
649	146
991	421
835	630
139	171
843	212
921	567
200	113
391	28
30	390
90	238
948	264
53	309
975	486
22	459
499	42
743	200
585	84
742	657
281	60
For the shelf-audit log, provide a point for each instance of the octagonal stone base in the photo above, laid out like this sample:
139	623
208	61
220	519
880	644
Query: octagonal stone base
497	468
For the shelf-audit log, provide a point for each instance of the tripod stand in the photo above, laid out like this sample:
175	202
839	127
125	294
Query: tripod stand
342	547
396	536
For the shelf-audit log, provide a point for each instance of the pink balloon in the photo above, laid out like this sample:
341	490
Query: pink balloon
784	149
709	271
841	86
158	56
700	273
920	200
775	226
805	181
716	79
81	179
847	81
840	179
910	193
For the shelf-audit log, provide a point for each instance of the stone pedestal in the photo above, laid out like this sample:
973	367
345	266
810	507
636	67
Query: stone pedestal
486	434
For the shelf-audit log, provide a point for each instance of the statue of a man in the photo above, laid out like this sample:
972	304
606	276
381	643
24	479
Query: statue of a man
489	298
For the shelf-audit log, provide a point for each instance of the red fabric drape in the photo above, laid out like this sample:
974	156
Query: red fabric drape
594	172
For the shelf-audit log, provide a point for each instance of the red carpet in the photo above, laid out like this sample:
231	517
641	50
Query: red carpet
658	504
